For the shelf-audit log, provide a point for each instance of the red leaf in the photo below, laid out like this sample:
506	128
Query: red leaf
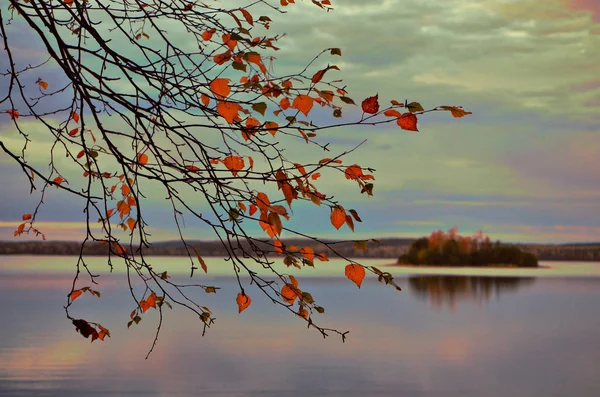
371	104
408	121
26	217
13	114
75	294
208	34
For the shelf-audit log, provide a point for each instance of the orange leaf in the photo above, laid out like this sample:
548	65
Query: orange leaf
142	159
192	168
205	99
408	121
58	180
278	246
119	249
222	58
308	253
220	87
262	201
234	164
355	273
144	306
229	110
300	168
350	222
456	111
290	292
252	209
354	172
42	84
152	300
392	113
207	35
319	75
266	225
74	131
338	217
26	217
371	104
75	294
302	312
13	114
103	332
284	103
315	176
323	257
131	223
271	127
201	260
247	16
75	117
125	190
243	301
229	42
123	208
303	103
275	222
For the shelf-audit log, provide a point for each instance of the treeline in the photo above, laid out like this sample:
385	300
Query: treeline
451	249
391	248
384	248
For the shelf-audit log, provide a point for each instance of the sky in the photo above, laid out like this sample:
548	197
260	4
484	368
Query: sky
524	167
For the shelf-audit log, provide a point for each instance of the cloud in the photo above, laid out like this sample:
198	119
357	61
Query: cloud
527	69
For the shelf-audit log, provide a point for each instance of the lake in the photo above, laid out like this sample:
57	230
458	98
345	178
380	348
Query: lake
450	332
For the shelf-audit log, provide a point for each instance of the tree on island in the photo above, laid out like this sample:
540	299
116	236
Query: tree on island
451	249
179	99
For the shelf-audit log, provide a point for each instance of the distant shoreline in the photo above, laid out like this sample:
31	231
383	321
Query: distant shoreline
507	266
391	248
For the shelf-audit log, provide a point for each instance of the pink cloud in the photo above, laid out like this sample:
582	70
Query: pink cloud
592	6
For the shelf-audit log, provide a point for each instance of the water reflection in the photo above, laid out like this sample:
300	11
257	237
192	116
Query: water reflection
449	290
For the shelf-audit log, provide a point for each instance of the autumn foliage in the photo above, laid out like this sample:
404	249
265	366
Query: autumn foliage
140	114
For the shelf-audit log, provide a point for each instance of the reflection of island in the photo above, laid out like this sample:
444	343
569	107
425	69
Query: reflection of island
450	249
451	289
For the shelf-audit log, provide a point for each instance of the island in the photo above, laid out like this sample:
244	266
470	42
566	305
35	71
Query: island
451	249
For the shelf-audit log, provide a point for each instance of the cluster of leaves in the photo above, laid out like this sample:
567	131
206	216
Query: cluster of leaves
186	120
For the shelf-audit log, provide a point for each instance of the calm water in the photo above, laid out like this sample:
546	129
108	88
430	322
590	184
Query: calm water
469	332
